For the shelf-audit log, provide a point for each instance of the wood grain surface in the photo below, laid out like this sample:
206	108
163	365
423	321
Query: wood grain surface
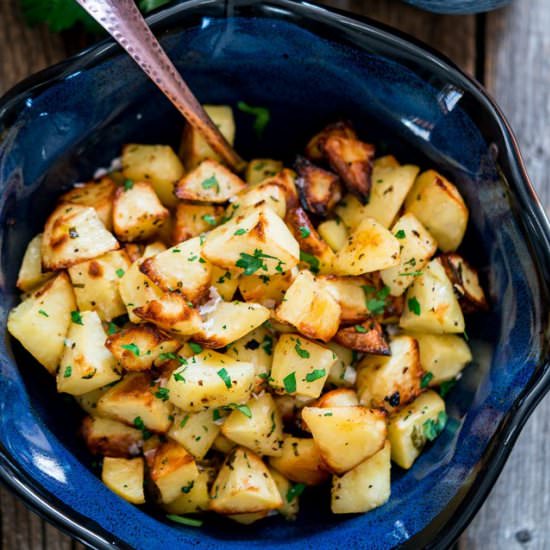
510	51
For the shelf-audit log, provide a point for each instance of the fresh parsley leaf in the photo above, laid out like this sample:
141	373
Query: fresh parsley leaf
131	347
267	344
119	273
361	329
252	263
128	184
295	491
67	373
222	373
244	409
289	382
43	313
304	232
261	114
184	421
188	487
303	353
76	318
414	305
432	428
112	328
162	393
210	182
400	234
426	379
209	219
195	348
191	522
315	375
411	273
311	260
240	231
446	387
140	425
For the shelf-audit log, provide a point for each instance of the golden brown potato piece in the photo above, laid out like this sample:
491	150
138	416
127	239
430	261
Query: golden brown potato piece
97	194
209	182
30	273
350	294
73	234
260	169
320	189
315	149
137	212
465	282
107	437
194	219
341	397
367	337
352	160
124	477
267	290
137	347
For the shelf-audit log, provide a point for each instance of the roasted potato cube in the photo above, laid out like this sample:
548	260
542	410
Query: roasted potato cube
365	487
73	234
225	282
352	160
244	485
96	284
310	242
300	462
88	401
320	189
137	401
346	436
156	164
370	247
256	348
230	321
465	281
342	397
341	372
267	290
111	438
211	379
193	497
409	430
85	364
248	519
391	382
260	169
172	470
30	273
258	426
349	293
259	240
389	190
194	219
137	212
194	148
440	208
124	476
97	194
136	348
417	247
310	308
334	233
195	431
209	182
172	313
291	500
181	269
315	149
300	366
442	355
42	320
431	303
223	445
367	337
387	161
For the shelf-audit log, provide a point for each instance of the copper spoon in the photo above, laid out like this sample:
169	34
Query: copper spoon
124	22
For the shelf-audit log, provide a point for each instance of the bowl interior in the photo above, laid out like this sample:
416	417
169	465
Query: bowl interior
307	75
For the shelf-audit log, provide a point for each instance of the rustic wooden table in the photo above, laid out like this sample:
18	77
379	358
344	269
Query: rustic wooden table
507	50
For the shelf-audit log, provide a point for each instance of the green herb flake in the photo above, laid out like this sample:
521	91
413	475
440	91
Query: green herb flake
414	305
289	382
216	415
178	377
222	373
361	329
43	313
76	318
119	273
128	184
140	425
315	375
191	522
244	409
261	114
432	428
211	182
112	328
295	491
195	348
209	219
267	344
68	372
410	274
446	387
184	421
303	353
187	489
311	260
252	263
240	231
162	393
400	234
131	347
304	232
426	379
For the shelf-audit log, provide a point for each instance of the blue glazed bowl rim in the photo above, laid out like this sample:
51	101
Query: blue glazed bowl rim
449	524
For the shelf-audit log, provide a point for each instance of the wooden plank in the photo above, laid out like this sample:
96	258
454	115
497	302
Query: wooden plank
454	36
21	529
518	75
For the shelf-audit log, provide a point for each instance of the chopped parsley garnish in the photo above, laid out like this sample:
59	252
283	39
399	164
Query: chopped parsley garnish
361	329
414	305
261	114
311	260
411	273
244	409
446	387
210	182
216	415
222	373
73	233
315	375
191	522
76	318
295	491
131	347
209	219
67	373
119	273
426	379
240	231
304	232
432	428
188	487
303	353
128	184
400	234
112	328
195	348
289	382
178	377
251	263
184	421
375	300
43	313
140	425
267	344
162	393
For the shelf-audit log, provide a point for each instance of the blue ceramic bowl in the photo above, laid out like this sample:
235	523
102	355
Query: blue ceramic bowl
458	6
310	66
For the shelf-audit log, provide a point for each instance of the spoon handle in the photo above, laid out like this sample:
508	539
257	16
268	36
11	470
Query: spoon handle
124	22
